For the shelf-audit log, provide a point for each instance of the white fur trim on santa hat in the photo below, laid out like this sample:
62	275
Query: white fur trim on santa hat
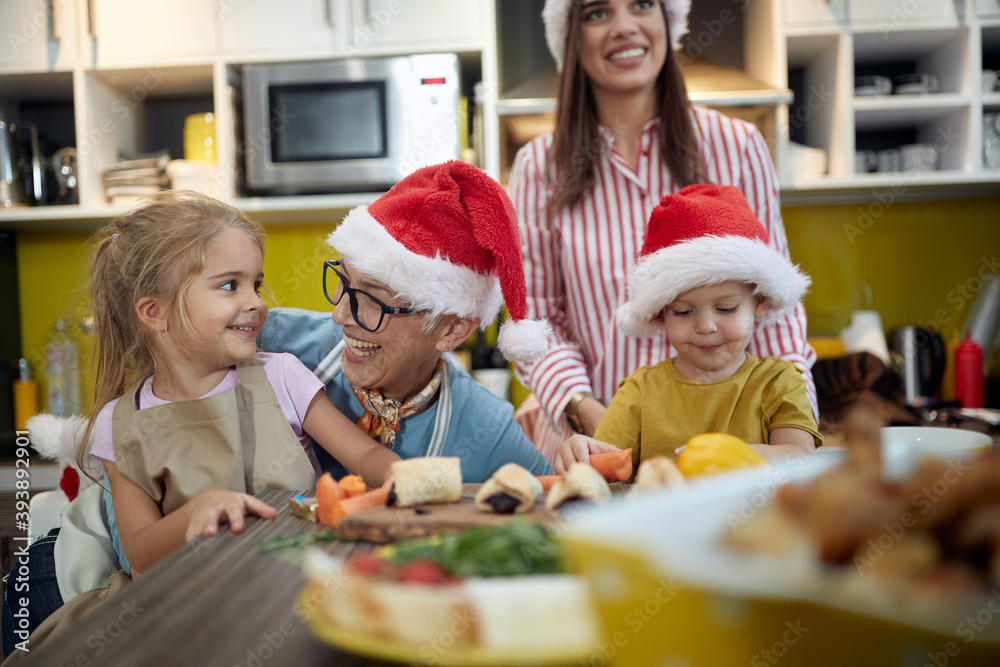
523	341
428	283
555	15
58	438
662	276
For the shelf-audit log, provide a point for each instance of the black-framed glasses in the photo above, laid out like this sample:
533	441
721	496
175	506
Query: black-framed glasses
367	311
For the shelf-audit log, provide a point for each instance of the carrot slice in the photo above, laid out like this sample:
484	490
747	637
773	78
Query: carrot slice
613	466
374	498
548	481
353	485
328	492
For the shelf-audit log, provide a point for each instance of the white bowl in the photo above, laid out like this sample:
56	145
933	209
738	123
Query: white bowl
911	443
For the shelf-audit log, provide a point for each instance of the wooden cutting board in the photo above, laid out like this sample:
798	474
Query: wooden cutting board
391	524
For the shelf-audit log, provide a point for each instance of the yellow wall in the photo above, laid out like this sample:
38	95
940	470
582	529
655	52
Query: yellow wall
921	259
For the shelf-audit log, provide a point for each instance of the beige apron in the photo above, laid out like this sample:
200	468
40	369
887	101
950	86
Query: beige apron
237	440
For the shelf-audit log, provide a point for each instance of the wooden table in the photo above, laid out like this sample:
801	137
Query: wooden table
214	603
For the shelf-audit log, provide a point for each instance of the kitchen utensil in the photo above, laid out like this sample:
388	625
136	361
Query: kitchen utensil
922	361
918	157
12	192
865	161
990	80
391	524
867	86
917	83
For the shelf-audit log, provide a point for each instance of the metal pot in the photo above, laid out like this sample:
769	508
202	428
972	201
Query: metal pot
922	360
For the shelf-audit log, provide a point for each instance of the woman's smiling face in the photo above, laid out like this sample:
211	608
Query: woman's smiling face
400	357
623	45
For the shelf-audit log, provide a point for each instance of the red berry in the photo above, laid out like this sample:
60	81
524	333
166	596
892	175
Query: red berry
423	571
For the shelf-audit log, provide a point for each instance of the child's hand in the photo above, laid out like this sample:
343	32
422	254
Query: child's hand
211	508
577	449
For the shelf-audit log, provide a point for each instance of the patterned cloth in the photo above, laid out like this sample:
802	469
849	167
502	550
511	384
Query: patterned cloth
382	415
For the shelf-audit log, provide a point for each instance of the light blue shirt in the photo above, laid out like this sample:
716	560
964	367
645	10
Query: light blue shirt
482	431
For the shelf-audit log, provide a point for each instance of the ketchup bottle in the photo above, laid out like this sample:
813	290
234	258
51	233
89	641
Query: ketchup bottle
969	383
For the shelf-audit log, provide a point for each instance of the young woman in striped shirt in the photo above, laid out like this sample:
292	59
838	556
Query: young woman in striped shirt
625	136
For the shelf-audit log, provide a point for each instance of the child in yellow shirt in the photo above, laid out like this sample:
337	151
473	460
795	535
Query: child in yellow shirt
705	275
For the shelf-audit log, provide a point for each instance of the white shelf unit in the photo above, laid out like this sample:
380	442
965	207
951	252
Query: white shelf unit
828	44
110	90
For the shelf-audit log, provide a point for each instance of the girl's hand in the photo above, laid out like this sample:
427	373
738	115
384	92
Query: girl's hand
577	449
211	508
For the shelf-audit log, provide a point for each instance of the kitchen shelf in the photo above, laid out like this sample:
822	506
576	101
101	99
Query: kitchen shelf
266	210
708	84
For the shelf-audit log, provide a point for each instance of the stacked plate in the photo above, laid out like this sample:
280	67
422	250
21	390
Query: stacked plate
135	177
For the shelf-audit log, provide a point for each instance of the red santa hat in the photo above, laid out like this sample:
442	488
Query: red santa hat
555	15
705	235
445	239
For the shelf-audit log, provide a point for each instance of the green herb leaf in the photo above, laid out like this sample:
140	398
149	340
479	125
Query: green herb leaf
300	542
514	548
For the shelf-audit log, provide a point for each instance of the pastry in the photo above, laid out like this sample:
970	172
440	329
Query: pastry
658	471
582	483
426	480
511	490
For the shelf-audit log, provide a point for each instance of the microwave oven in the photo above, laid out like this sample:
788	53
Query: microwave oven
347	125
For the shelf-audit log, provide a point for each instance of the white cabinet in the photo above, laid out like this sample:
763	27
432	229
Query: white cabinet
428	25
125	32
262	29
39	35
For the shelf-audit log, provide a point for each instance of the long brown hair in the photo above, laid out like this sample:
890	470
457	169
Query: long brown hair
576	142
157	250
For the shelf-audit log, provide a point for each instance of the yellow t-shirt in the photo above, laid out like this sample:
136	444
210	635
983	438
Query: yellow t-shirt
656	409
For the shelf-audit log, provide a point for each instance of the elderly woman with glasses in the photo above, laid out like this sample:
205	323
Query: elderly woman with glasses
422	267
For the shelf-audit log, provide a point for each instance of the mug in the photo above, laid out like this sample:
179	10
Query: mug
915	84
865	161
888	160
991	140
918	157
872	85
991	80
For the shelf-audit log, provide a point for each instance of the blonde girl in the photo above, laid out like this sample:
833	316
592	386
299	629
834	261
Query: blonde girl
189	419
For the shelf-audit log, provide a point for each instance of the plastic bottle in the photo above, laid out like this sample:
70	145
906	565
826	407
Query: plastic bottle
25	396
62	373
969	383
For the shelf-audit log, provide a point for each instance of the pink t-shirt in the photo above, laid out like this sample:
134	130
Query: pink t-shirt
294	386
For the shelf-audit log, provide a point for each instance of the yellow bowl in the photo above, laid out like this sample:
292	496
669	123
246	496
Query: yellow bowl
671	593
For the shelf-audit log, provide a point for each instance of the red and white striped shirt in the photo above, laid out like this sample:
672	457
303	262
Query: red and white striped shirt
577	266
